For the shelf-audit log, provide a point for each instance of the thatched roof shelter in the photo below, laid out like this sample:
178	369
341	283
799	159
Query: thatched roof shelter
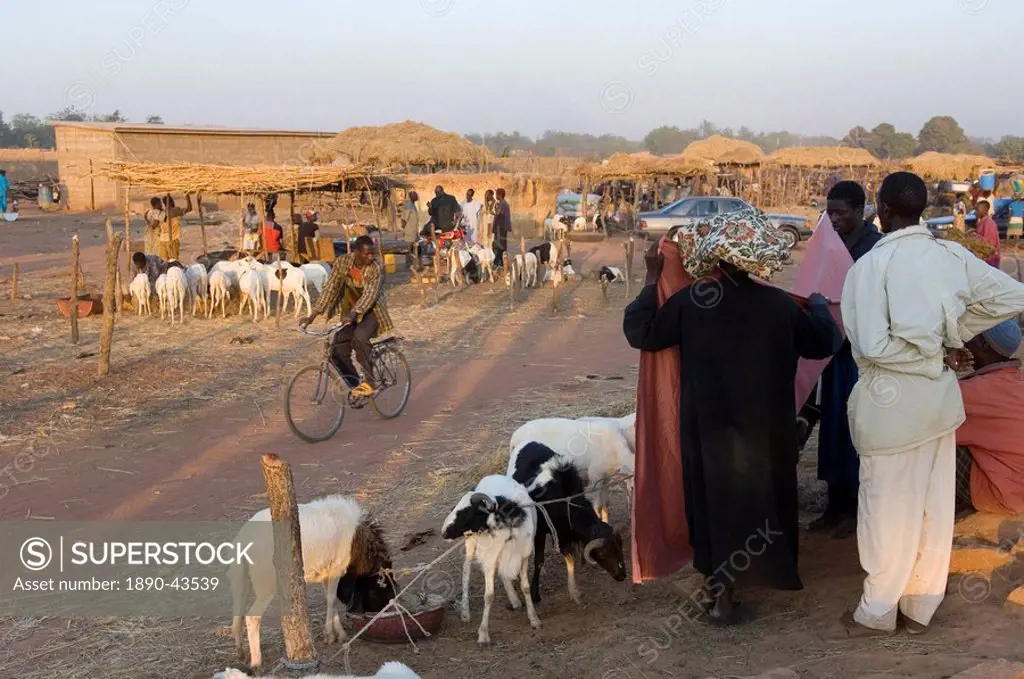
233	180
403	146
724	151
644	164
823	157
954	166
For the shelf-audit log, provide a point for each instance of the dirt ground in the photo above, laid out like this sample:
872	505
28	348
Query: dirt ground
176	431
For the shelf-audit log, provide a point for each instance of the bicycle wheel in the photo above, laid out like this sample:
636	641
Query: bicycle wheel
313	405
395	382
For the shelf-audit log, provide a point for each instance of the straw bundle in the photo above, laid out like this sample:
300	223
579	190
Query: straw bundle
952	166
229	179
971	241
724	151
645	164
823	156
401	145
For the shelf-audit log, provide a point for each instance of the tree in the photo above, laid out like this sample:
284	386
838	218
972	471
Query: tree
668	140
29	131
114	117
943	134
886	143
68	114
1010	148
154	120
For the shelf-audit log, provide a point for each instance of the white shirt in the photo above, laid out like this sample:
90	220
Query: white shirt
903	303
471	214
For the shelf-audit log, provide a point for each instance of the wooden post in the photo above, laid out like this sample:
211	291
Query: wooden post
118	300
522	269
284	511
511	283
280	293
127	236
629	272
557	275
92	188
109	287
202	222
241	225
14	283
437	256
73	308
261	205
167	219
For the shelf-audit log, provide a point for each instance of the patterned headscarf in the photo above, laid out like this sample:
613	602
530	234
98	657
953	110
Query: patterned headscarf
746	239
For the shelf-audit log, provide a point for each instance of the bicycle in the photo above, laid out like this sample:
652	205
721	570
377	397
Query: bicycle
325	390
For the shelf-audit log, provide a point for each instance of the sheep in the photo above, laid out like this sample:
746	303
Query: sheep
266	274
316	275
176	288
161	293
253	294
550	478
559	225
485	256
141	293
523	267
458	260
500	522
389	670
547	253
221	283
610	274
197	284
600	448
342	548
293	285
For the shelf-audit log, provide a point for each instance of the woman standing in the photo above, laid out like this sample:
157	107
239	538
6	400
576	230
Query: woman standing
410	218
487	220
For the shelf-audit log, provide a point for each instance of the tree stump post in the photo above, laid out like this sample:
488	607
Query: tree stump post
118	300
511	283
284	512
109	286
629	271
202	222
14	283
73	301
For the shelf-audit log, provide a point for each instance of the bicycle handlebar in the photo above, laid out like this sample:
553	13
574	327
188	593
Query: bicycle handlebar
325	333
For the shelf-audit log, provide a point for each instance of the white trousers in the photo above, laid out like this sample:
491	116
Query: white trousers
905	532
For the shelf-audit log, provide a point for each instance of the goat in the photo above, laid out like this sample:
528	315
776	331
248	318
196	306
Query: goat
610	274
197	282
499	521
141	293
389	670
161	293
177	287
546	253
339	541
600	448
553	482
559	225
485	256
459	259
221	283
292	283
316	275
253	294
524	268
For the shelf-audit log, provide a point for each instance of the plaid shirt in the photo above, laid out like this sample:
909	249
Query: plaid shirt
332	299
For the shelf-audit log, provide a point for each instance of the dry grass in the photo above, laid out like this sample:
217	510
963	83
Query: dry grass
724	151
823	156
644	164
402	145
952	166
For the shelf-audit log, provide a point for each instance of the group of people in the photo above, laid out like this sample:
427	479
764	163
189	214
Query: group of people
917	311
265	234
487	222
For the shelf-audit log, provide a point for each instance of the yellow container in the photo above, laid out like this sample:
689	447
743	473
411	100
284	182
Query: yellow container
393	263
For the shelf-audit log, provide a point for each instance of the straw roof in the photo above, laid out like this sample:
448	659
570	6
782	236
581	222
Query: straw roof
645	164
823	156
229	179
724	151
962	166
400	145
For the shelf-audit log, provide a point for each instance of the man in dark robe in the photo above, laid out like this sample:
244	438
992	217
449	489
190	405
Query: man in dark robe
444	210
838	464
501	227
739	342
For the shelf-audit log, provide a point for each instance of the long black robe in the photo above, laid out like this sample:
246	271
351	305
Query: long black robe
739	342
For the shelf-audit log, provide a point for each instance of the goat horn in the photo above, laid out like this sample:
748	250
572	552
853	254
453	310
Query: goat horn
591	546
481	499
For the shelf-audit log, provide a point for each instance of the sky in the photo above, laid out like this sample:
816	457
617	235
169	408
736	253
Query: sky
808	66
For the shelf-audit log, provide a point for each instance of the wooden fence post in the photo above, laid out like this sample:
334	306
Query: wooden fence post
127	236
118	300
557	275
14	283
109	286
202	222
511	282
280	293
629	271
298	640
73	302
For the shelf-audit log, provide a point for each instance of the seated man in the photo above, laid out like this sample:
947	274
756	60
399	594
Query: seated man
151	265
356	290
990	443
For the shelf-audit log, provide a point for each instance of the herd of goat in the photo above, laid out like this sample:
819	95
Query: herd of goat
248	279
555	466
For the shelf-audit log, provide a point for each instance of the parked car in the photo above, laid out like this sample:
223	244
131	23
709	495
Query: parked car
657	223
939	225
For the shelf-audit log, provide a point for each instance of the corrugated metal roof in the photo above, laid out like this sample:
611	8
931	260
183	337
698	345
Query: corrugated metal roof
188	129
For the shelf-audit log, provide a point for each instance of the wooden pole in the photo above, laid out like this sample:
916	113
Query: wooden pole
261	205
109	288
522	269
92	188
241	225
118	294
14	283
73	308
284	512
511	283
437	256
202	222
280	293
557	275
629	272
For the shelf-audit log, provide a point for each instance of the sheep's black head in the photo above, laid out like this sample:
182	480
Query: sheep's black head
368	585
281	273
606	552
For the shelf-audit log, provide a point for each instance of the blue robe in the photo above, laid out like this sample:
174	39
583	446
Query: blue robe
5	187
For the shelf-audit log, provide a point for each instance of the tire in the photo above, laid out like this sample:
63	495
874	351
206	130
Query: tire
397	363
790	235
298	388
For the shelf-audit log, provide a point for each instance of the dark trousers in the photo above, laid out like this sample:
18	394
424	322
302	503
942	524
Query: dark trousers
355	337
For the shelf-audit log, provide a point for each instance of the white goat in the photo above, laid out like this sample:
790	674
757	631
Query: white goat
253	294
198	284
389	670
333	528
141	293
526	271
500	522
601	448
161	293
221	283
294	285
176	288
316	276
485	256
458	260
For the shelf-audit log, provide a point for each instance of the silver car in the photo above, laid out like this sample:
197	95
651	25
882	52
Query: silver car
686	210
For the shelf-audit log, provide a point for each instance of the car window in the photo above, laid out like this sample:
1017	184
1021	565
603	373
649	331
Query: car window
703	208
734	206
681	209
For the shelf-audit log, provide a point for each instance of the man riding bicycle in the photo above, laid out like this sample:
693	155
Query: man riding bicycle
356	290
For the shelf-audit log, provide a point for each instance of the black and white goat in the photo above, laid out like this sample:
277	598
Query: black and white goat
342	549
610	274
553	482
499	521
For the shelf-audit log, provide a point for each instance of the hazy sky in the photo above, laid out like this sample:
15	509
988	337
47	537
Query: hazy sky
810	66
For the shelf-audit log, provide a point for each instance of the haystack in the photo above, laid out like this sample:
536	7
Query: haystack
951	166
644	164
724	151
823	156
403	146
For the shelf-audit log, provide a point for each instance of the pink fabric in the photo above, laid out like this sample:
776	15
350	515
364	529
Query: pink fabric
988	231
660	537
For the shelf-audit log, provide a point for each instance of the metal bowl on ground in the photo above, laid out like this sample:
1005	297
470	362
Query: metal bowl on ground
10	216
390	629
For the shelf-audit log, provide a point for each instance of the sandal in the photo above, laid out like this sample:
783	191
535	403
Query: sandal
364	390
855	630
